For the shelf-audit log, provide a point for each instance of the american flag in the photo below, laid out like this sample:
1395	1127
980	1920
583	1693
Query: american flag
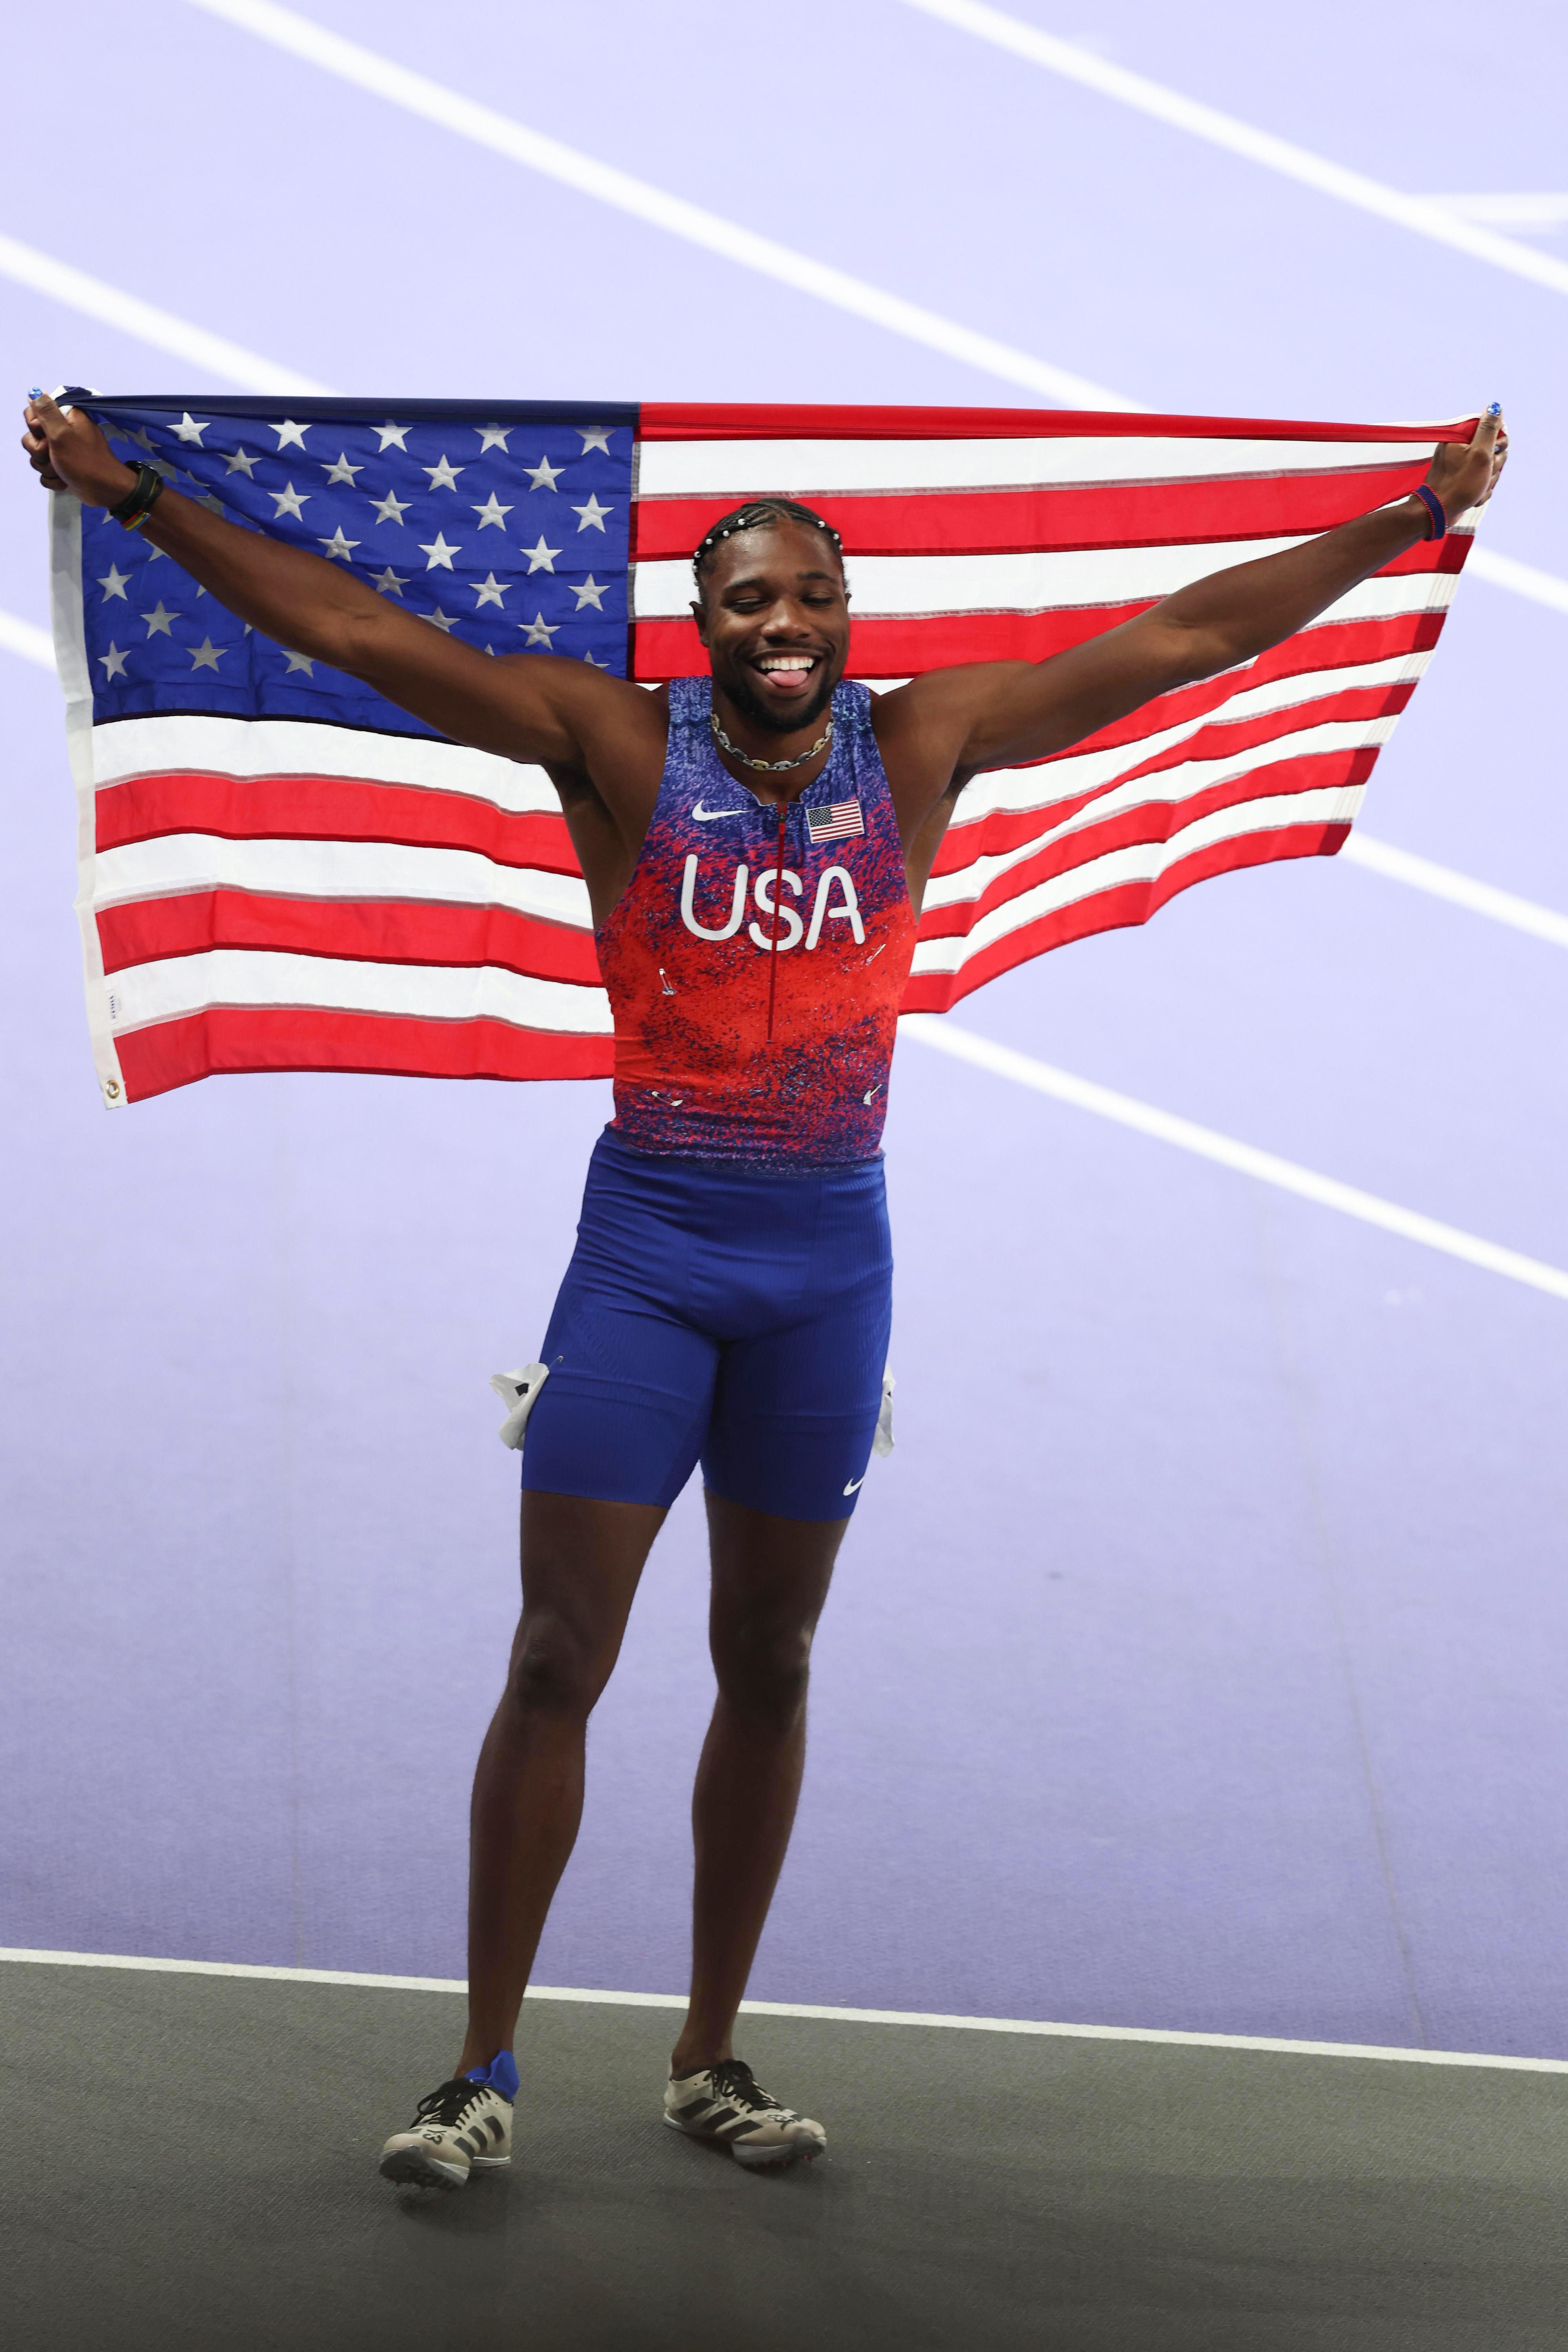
839	820
280	870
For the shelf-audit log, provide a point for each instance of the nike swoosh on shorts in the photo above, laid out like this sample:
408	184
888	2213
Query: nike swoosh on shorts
854	1483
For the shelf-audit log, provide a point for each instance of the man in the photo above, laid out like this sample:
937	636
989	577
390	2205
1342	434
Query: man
756	847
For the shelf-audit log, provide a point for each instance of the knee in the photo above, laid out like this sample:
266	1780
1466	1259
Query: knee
764	1672
555	1669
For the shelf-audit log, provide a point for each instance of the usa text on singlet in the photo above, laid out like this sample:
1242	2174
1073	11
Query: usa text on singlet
756	967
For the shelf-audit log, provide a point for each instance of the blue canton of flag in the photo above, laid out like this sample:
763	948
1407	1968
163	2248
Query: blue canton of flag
507	526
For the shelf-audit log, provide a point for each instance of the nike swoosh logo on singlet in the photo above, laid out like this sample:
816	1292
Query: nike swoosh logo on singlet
706	817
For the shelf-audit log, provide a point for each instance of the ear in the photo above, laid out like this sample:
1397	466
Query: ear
699	614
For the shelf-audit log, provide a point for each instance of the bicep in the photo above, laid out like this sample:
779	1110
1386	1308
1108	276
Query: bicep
1037	708
510	704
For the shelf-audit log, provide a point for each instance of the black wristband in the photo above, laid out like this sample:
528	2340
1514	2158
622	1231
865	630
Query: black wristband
137	504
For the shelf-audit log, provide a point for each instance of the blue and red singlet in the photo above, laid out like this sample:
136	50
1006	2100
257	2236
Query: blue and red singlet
730	1296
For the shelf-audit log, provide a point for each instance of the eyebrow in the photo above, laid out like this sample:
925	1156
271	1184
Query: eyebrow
756	580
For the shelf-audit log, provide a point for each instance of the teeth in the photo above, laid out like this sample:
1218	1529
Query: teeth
788	661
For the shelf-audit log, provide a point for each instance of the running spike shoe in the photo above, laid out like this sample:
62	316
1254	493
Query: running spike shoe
726	2103
460	2127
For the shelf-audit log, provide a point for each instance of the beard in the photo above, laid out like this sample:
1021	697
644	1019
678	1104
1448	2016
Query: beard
737	685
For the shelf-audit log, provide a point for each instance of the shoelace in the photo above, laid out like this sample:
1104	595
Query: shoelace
733	2080
447	2103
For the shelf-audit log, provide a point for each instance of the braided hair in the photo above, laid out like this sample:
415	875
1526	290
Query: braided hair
754	516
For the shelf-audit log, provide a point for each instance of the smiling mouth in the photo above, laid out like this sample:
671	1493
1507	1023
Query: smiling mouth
786	674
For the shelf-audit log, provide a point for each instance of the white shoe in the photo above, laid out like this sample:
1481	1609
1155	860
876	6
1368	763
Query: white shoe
726	2103
464	2127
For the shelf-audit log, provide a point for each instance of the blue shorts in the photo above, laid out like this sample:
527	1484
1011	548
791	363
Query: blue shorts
717	1315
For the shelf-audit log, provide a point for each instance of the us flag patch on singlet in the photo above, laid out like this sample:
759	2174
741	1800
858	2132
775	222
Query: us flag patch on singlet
840	820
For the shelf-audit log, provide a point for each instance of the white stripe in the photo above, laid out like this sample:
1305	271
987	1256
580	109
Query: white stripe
823	2012
1115	869
252	749
175	863
1524	579
946	1037
181	985
483	127
886	587
1508	211
26	640
1426	217
740	469
42	274
1459	889
1264	812
1049	782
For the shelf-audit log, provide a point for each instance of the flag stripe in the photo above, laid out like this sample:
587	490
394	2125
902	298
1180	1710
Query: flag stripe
306	1037
666	421
328	808
381	930
177	986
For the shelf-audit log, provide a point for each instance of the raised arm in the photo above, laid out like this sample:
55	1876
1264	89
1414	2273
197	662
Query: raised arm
951	724
533	707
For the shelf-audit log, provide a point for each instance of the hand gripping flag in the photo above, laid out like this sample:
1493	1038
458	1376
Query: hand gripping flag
281	870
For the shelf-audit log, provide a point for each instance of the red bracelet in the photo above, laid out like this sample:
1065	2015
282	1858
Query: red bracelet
1438	525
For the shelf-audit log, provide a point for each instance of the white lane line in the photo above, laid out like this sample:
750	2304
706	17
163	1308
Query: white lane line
42	274
1424	215
1459	889
828	2014
22	637
416	93
1524	579
943	1034
1539	211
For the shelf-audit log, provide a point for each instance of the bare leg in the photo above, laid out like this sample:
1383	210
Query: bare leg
770	1579
581	1563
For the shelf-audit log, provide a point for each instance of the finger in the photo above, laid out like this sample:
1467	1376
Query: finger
1488	428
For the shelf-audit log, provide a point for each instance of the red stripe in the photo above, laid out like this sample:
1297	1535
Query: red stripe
1154	821
906	649
995	522
1008	829
1110	910
663	420
373	930
233	1038
328	808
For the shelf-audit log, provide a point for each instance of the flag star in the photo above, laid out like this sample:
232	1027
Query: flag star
489	590
342	471
207	655
539	630
593	514
290	434
188	429
299	661
544	476
438	620
390	583
241	463
593	664
113	584
595	437
213	505
492	436
439	551
392	436
144	440
287	501
540	557
337	547
391	508
591	592
161	466
444	477
114	662
157	621
492	512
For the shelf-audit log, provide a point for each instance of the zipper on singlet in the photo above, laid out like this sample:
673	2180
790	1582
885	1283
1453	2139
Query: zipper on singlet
774	934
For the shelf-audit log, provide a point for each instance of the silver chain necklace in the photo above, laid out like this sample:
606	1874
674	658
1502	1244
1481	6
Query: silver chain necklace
770	767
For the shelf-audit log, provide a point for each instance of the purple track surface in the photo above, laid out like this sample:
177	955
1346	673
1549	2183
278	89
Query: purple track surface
1197	1660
